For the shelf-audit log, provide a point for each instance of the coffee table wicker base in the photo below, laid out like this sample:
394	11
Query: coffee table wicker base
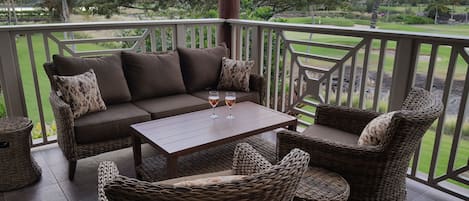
317	184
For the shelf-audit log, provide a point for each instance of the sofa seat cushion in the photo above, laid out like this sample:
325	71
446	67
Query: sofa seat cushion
252	96
114	123
109	74
331	134
153	75
172	105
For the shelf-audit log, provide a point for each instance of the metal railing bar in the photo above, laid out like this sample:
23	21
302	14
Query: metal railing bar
441	120
192	36
431	67
164	43
209	36
140	42
100	40
461	180
452	174
440	188
103	52
317	57
366	60
313	68
152	39
284	76
351	83
304	123
61	27
292	81
241	29
328	90
201	37
358	32
60	46
233	41
36	87
379	74
304	112
269	65
340	82
460	119
247	44
260	37
320	44
277	68
309	102
45	40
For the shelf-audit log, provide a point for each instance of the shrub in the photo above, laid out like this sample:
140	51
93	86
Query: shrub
450	126
412	19
51	129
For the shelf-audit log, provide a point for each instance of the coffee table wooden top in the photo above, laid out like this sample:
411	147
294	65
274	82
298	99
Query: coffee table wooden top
186	133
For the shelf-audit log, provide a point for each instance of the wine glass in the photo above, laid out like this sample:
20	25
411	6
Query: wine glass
213	99
230	100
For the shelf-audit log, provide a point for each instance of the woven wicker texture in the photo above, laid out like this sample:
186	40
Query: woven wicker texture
17	167
373	172
278	182
210	160
319	184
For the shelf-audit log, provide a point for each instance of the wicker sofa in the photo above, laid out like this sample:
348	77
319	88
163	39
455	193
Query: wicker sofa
264	181
373	172
136	88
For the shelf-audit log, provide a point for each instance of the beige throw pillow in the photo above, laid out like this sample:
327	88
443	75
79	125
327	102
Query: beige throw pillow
81	92
234	75
210	181
375	132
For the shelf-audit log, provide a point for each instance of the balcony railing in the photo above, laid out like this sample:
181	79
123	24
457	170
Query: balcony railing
303	65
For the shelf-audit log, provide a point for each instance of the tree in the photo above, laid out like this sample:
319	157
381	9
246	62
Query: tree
437	9
374	14
55	8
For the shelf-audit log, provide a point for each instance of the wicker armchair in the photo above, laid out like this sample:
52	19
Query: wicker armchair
373	172
264	181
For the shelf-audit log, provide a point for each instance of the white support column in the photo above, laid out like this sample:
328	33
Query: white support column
402	76
10	76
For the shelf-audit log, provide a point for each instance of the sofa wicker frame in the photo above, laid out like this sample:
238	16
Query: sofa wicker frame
373	172
264	182
74	151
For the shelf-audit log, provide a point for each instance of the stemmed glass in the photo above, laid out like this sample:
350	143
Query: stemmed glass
230	100
213	99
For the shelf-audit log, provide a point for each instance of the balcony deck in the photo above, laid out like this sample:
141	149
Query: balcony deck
55	185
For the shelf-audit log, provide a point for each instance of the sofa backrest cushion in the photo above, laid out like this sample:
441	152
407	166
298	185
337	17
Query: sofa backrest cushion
108	70
152	75
201	67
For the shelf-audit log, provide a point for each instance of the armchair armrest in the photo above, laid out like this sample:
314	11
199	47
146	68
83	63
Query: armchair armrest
326	153
351	120
256	83
107	172
247	160
65	122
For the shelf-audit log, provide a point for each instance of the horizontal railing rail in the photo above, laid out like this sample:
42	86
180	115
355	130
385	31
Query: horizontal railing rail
303	65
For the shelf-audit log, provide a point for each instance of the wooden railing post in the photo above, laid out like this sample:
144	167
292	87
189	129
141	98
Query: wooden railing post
10	76
403	73
227	9
257	49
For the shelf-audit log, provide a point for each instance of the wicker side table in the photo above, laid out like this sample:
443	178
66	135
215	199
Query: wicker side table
320	184
17	167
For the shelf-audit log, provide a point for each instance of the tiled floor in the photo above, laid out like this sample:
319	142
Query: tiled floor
55	186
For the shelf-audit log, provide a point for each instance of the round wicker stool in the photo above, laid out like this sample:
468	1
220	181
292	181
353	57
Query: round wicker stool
320	185
17	167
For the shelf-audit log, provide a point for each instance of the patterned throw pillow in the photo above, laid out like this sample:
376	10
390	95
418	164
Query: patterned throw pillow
81	92
210	181
235	75
375	132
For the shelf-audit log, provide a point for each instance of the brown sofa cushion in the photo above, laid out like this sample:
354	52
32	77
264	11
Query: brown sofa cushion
108	70
172	105
331	134
114	123
252	96
201	67
153	75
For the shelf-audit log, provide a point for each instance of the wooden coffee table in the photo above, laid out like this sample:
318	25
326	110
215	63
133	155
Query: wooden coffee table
188	133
